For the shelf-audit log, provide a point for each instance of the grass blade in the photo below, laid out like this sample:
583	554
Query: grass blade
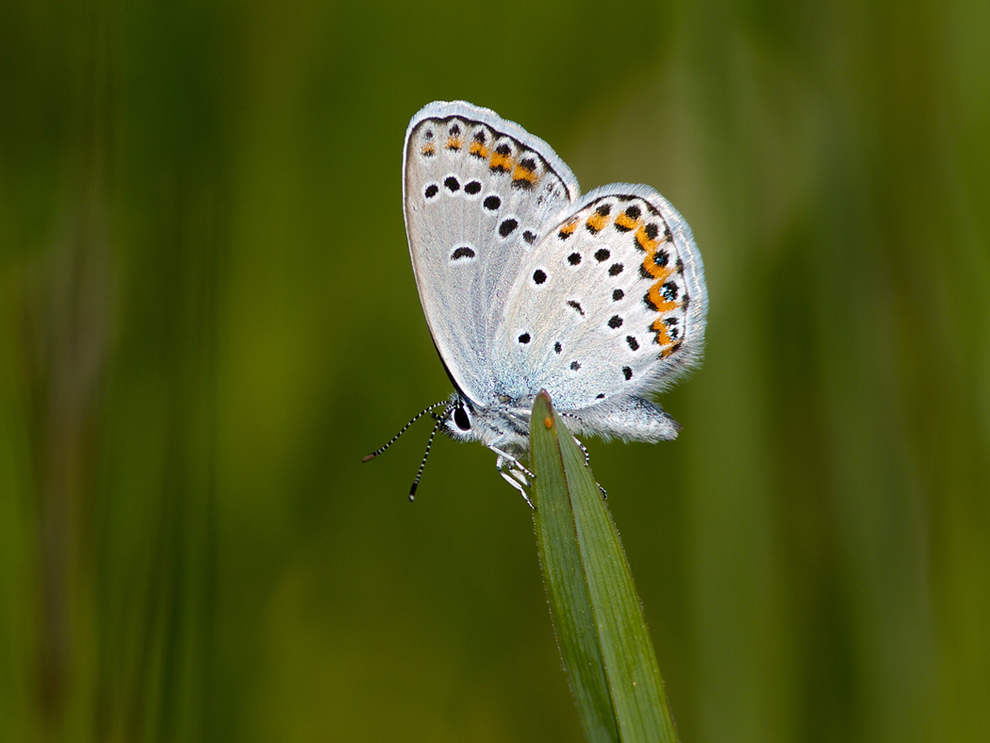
597	613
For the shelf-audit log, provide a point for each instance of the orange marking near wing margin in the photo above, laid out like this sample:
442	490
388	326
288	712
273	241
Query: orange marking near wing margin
659	302
499	161
626	222
597	222
656	271
519	173
644	242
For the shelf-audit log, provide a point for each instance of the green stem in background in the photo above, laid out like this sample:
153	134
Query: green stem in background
598	617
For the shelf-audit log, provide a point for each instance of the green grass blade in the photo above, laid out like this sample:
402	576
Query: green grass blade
597	613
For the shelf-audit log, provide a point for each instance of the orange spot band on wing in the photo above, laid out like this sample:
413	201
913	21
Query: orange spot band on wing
663	337
454	143
644	242
597	222
656	271
499	161
478	150
660	302
626	222
520	173
429	149
568	229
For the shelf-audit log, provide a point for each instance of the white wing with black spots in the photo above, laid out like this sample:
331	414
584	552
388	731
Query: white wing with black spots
478	191
609	307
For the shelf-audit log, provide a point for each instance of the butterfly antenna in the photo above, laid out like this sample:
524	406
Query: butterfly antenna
431	408
422	465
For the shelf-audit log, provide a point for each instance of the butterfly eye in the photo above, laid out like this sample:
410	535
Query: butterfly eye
461	419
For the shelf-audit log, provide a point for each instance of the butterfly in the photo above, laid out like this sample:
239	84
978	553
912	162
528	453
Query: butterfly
527	285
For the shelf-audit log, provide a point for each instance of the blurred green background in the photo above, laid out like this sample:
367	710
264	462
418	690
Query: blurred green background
207	316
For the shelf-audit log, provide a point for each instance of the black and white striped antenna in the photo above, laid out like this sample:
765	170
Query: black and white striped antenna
429	444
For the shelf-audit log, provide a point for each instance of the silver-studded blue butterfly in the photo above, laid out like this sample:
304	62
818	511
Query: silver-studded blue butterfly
528	285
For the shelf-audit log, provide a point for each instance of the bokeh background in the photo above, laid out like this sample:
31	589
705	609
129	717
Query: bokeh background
207	316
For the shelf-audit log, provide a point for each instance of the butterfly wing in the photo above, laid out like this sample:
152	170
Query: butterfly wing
609	307
478	192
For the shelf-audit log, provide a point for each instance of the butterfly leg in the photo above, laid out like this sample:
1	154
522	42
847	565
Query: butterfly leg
514	473
516	479
587	463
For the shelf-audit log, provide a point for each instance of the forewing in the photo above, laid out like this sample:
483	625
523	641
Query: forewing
608	307
478	193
